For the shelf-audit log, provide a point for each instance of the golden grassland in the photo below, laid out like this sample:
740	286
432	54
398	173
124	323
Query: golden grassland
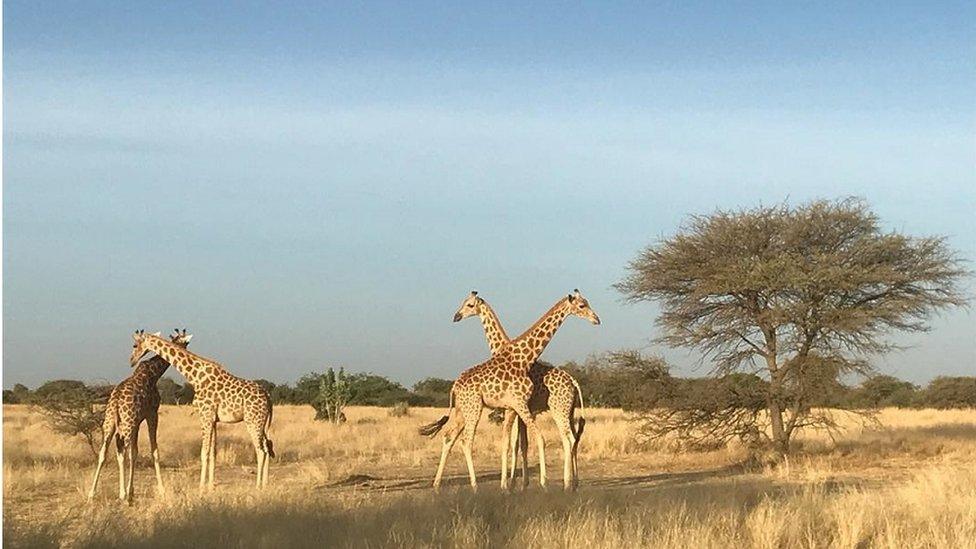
909	481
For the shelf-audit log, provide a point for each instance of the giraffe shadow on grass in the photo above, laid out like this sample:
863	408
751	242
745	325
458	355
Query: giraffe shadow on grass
490	480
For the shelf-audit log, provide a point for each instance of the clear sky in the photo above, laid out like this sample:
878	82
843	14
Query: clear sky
304	185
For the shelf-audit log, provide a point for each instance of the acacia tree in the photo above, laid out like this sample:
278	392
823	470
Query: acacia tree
796	295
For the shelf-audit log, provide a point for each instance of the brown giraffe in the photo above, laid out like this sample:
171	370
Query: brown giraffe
218	397
134	400
554	390
502	382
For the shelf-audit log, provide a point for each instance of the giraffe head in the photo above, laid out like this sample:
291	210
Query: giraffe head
579	306
469	307
180	338
139	349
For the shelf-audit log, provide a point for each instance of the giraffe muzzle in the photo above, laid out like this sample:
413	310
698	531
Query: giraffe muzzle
457	317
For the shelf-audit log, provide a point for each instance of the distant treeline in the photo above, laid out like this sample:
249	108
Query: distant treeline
610	381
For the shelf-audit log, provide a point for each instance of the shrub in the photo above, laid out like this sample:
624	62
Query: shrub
69	409
949	392
400	409
334	394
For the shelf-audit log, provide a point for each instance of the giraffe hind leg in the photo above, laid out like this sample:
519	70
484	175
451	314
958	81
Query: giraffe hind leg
133	457
522	409
472	414
120	453
507	443
522	439
212	462
453	431
107	438
152	424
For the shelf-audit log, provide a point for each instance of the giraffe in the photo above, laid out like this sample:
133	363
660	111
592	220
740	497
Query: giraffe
134	400
554	390
218	397
502	382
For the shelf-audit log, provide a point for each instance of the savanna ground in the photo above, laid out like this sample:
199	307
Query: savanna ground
909	481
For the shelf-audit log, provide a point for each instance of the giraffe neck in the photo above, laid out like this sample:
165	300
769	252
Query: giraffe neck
494	332
153	368
192	367
535	339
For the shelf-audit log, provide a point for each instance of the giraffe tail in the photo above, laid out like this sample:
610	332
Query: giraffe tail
431	429
581	422
268	444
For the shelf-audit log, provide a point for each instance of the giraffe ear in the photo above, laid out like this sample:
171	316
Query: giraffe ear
187	338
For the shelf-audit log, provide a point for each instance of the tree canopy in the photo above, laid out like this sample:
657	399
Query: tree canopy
800	295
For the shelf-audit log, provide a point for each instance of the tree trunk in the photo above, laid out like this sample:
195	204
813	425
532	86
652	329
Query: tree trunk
781	439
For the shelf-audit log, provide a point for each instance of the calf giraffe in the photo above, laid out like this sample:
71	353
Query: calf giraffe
502	382
554	390
218	397
134	400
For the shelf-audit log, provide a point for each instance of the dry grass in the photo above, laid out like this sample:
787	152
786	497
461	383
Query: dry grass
909	483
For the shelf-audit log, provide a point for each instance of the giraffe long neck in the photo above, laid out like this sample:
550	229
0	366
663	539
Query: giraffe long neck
192	367
494	332
153	368
535	339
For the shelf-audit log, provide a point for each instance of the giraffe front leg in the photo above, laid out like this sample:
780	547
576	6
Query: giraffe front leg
507	443
152	424
205	436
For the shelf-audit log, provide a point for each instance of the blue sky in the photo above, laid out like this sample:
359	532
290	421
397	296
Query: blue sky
306	185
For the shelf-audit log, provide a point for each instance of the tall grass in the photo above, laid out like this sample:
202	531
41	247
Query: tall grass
909	483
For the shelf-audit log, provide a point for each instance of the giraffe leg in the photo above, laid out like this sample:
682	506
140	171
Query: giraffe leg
522	439
212	462
522	409
120	449
569	442
257	439
507	426
513	448
207	428
265	465
451	435
472	414
576	439
259	457
152	424
102	452
133	455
